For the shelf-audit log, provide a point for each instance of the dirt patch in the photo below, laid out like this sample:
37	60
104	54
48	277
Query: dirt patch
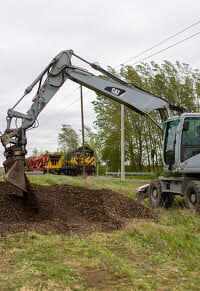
66	209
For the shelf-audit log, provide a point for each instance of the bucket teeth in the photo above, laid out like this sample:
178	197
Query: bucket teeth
16	175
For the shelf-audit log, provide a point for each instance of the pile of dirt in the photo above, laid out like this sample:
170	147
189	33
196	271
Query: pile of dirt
66	209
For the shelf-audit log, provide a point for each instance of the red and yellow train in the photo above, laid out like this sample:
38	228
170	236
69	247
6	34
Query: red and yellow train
74	163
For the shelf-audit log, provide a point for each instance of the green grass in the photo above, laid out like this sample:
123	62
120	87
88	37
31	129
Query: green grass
144	256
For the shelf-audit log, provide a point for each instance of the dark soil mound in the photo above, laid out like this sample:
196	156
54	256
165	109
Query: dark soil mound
67	209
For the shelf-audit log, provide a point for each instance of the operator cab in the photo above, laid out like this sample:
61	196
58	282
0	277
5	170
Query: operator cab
181	152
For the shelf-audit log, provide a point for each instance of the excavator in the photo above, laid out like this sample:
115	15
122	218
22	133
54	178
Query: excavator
181	154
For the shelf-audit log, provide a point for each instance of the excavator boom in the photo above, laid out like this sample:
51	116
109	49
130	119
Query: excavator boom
57	72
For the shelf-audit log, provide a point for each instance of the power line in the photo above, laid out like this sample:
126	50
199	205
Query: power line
61	101
63	110
163	41
158	52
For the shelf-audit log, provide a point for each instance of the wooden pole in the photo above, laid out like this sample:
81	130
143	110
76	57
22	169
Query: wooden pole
83	133
122	144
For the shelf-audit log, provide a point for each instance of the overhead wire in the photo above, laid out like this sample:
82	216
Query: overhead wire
46	116
58	105
161	42
64	109
162	50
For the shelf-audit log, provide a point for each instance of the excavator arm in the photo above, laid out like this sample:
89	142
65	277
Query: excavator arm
56	73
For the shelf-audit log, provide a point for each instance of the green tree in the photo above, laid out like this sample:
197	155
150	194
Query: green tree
37	152
177	83
68	139
108	128
92	140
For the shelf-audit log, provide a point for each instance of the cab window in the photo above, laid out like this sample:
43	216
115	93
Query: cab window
170	139
190	140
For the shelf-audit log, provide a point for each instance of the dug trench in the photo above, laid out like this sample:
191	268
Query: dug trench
66	209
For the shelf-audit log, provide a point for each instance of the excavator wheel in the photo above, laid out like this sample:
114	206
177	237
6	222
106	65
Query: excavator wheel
157	198
192	196
155	194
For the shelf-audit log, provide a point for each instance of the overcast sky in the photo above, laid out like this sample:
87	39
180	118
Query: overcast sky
108	32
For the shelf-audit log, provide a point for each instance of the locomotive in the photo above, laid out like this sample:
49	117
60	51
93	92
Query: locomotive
73	163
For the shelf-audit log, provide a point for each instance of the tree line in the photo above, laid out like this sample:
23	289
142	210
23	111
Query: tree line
178	83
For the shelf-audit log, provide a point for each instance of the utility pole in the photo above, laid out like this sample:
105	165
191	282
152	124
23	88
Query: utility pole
122	144
83	133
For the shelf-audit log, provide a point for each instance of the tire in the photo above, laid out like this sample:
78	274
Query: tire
155	194
192	196
157	198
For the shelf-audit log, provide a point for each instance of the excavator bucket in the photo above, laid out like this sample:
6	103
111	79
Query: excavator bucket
15	175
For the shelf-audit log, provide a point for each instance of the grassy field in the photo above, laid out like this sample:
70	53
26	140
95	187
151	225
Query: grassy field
144	256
